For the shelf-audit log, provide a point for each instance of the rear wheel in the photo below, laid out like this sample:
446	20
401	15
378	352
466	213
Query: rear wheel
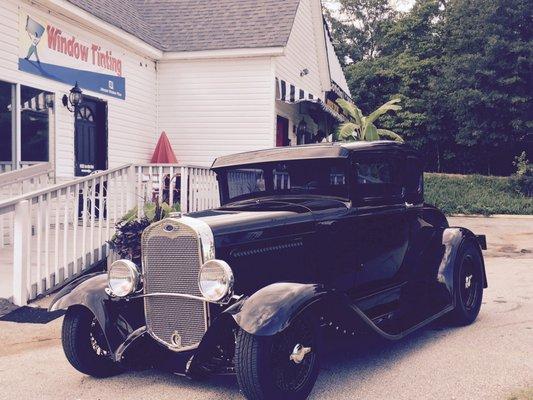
282	367
84	344
468	289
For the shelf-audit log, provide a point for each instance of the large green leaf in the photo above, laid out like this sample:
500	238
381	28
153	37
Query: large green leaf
346	131
388	106
390	134
370	133
352	110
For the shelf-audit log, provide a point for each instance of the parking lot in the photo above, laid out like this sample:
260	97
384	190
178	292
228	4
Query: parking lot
491	359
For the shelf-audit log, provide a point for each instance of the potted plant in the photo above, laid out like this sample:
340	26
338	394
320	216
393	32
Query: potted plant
126	242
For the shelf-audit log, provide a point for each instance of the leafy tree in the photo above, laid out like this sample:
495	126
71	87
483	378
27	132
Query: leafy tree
463	70
358	30
362	127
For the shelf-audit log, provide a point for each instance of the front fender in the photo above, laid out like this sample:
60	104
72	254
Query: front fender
117	318
271	309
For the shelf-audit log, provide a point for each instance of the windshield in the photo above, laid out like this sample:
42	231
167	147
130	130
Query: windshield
303	177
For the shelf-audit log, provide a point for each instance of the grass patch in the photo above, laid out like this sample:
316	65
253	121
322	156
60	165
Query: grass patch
475	194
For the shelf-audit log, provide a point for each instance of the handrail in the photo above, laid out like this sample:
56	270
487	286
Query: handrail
18	175
60	186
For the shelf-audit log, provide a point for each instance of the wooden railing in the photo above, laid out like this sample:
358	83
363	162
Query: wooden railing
58	232
27	179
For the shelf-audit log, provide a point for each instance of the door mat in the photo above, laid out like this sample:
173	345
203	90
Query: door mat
32	315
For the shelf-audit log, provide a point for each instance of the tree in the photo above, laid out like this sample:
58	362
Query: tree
463	69
359	27
362	127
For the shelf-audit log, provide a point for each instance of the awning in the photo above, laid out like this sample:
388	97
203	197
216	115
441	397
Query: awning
289	93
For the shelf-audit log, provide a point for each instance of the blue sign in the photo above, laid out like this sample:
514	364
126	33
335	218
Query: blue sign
97	82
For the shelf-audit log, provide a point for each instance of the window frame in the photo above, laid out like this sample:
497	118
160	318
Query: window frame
393	197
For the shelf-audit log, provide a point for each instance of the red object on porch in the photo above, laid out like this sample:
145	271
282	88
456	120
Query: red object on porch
163	153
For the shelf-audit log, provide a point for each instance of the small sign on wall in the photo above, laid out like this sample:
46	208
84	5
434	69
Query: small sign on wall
47	50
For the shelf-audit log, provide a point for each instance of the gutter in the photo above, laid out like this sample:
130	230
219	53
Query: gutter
224	53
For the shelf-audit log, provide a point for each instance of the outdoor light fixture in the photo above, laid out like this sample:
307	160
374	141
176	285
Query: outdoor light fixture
301	132
49	100
304	72
74	98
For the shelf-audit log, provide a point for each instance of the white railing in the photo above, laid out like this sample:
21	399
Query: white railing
193	188
25	180
6	166
58	232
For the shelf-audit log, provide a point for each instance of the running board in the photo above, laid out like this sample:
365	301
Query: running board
398	336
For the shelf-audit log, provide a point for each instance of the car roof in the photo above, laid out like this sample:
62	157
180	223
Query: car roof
305	152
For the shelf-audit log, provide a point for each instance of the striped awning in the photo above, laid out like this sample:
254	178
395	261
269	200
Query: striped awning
292	94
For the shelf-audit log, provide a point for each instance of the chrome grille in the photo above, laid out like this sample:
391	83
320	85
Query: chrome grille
171	261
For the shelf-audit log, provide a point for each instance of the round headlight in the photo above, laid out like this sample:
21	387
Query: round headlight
215	280
123	278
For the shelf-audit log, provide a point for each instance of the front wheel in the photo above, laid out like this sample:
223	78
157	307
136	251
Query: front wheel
282	367
468	284
84	344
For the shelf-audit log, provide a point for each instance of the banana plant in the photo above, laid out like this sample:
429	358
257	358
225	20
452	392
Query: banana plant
360	127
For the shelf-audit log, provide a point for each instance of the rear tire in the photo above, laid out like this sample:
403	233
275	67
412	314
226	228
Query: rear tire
85	346
264	367
468	285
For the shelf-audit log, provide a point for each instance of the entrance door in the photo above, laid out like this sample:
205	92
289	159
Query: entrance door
282	132
90	137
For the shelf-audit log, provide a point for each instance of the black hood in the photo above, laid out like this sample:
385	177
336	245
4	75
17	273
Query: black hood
238	223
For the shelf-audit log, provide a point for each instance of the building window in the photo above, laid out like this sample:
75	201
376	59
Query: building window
34	120
6	123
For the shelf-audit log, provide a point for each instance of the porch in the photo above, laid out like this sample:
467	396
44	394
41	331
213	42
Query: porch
52	234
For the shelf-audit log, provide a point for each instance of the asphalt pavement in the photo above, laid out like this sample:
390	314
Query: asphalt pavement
491	359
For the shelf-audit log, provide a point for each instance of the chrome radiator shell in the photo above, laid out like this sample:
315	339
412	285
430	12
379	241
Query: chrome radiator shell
173	251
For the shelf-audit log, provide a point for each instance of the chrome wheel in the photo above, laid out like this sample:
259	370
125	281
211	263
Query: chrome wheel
293	357
97	339
471	283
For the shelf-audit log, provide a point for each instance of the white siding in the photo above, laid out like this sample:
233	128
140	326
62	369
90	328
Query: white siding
131	122
301	52
337	74
215	107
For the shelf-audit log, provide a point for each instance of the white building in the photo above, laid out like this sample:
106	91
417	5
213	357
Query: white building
218	76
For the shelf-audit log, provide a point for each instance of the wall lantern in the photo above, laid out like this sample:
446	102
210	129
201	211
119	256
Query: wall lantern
74	98
49	100
301	132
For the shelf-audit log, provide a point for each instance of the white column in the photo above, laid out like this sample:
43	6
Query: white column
20	252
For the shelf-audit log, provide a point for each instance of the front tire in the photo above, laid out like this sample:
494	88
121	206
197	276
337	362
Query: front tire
84	344
468	285
281	367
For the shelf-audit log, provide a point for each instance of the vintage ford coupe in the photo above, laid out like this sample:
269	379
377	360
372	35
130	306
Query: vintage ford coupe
306	237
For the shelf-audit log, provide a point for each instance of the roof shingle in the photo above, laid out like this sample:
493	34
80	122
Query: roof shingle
193	25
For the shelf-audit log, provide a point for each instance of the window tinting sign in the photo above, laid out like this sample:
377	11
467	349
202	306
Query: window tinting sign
47	50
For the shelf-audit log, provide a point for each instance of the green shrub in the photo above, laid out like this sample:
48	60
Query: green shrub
475	194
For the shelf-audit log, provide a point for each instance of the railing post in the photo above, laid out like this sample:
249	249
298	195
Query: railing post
20	252
184	189
131	188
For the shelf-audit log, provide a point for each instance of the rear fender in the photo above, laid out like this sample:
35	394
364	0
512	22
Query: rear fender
272	308
452	238
116	317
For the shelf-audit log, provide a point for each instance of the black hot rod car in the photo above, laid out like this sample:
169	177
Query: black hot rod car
305	237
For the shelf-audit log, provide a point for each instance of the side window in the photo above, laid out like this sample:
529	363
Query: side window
413	181
378	180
